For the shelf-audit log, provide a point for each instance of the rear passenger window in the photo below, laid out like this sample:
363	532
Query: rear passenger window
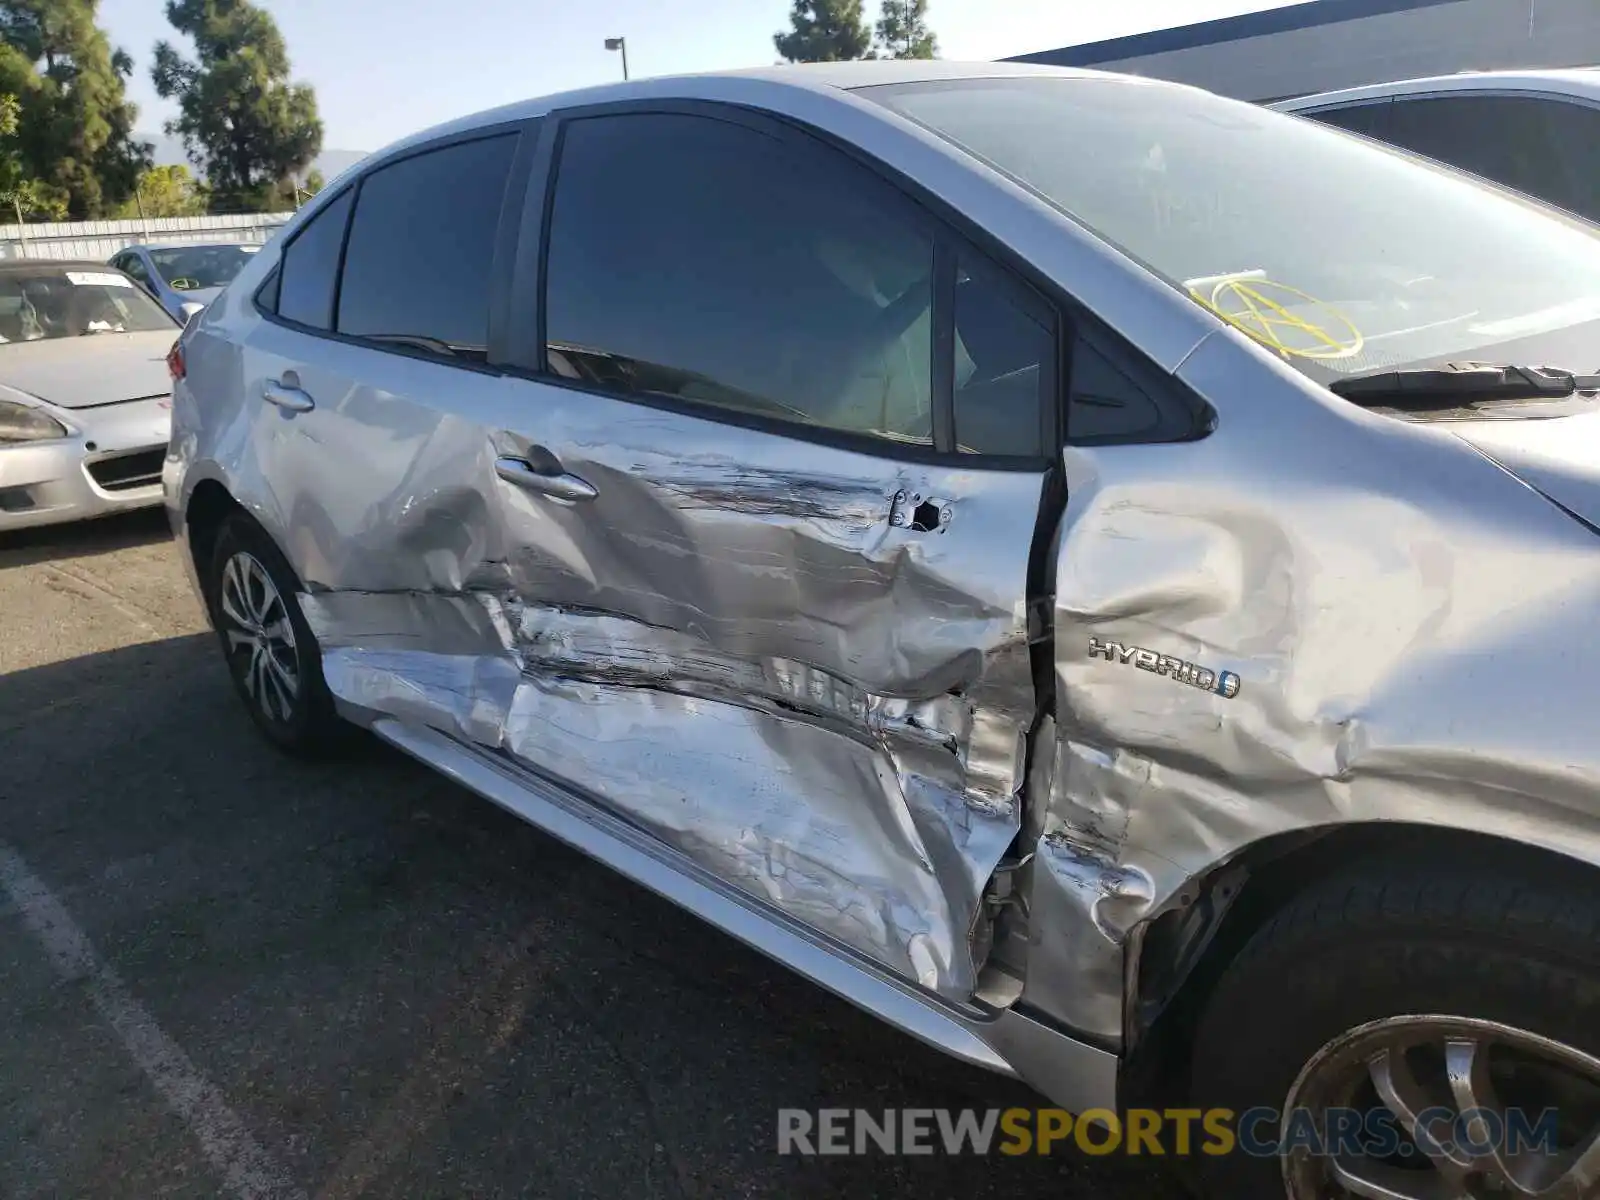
703	261
1005	353
311	265
416	270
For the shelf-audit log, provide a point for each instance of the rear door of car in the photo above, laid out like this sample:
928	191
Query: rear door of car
770	485
364	362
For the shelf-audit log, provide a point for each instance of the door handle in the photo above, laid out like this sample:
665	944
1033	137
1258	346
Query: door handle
554	482
287	397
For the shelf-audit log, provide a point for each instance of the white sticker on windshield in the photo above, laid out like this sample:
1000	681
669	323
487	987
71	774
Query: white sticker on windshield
249	249
98	279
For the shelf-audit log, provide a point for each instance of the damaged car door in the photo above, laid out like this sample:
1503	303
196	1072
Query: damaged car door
768	491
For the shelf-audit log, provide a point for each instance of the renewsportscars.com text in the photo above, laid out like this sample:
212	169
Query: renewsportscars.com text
1176	1132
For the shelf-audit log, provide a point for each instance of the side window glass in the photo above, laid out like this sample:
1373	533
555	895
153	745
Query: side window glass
701	260
267	294
1103	402
1365	119
310	267
1005	351
416	270
1501	138
1576	129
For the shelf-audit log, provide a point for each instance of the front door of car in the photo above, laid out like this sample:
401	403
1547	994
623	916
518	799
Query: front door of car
769	494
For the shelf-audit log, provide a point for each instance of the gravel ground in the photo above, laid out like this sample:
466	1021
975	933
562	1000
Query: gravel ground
223	974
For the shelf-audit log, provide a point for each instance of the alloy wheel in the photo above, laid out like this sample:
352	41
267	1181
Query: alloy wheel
1469	1110
260	637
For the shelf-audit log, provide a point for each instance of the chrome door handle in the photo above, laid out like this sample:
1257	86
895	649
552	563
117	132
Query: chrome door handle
555	483
287	397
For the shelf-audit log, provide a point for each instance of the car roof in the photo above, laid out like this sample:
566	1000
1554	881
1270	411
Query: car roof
14	265
177	245
1582	83
758	82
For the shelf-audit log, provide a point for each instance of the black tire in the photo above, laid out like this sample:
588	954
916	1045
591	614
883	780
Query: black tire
1498	942
308	726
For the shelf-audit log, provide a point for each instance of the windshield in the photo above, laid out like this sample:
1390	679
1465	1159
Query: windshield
187	268
1342	255
63	302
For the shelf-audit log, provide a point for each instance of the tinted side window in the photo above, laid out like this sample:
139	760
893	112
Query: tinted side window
1104	403
1005	348
267	294
1575	129
311	265
1502	138
416	270
1366	119
699	259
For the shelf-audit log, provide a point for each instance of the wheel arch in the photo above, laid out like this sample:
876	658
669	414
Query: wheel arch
210	504
1176	960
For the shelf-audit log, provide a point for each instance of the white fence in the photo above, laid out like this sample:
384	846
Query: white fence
99	240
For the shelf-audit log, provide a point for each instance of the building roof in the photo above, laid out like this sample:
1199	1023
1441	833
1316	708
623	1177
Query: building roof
1306	15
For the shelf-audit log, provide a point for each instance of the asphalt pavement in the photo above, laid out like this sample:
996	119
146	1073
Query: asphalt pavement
224	974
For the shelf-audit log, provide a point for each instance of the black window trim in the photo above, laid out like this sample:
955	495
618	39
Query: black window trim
526	130
950	236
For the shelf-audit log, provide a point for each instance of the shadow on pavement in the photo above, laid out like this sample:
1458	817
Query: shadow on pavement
81	539
403	991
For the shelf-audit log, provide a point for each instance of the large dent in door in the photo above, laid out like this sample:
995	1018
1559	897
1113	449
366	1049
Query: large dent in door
1411	628
743	657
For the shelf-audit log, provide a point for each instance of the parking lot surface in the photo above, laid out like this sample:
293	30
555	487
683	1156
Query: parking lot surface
225	974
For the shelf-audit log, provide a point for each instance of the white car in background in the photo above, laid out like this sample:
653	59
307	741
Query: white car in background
85	393
1535	131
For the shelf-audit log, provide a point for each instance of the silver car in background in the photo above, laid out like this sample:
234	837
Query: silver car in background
183	278
85	393
1019	546
1535	131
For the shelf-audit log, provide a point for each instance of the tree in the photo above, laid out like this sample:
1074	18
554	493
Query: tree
19	192
166	192
903	30
74	131
824	31
244	124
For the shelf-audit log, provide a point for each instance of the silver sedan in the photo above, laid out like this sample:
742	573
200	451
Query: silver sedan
85	393
1101	575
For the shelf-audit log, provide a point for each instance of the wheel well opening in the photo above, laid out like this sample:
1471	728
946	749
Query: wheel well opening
1184	953
209	507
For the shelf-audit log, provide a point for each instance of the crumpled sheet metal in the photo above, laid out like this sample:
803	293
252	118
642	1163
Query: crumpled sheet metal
742	656
1413	632
757	772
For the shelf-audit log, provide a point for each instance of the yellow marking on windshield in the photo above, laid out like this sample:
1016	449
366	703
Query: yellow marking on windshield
1246	305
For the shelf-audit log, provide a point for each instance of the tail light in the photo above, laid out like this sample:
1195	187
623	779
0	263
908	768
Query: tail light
175	366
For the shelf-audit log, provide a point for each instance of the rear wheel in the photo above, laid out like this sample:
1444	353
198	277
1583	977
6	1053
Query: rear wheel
272	656
1411	1034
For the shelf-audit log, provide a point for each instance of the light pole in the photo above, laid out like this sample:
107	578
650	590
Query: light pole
620	43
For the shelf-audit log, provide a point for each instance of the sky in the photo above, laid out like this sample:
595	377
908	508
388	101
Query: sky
386	68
